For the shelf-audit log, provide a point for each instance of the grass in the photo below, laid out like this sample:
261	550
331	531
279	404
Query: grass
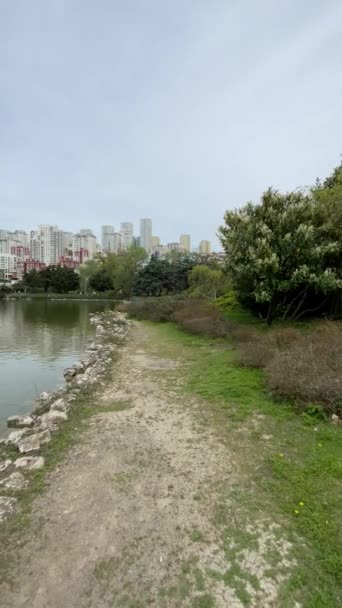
296	472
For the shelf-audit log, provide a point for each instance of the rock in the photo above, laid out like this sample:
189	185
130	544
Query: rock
33	442
79	367
30	463
69	373
44	396
20	422
92	346
16	436
335	419
16	481
54	416
60	405
4	464
8	506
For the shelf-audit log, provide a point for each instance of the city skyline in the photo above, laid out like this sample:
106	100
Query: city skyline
180	111
51	245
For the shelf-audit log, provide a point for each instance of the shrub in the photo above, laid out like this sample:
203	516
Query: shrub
202	317
151	309
310	368
257	348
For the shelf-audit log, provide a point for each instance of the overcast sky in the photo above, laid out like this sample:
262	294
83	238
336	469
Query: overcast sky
112	110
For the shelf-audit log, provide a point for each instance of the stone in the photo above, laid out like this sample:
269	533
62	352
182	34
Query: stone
33	442
69	373
335	419
60	405
4	464
16	436
20	422
92	346
8	506
30	463
79	367
44	396
54	416
15	481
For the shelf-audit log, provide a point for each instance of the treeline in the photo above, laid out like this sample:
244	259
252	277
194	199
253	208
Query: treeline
131	273
284	255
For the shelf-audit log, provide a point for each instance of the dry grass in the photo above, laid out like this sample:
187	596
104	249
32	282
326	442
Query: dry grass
202	318
303	366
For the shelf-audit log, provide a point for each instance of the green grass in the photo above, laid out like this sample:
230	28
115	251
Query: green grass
300	462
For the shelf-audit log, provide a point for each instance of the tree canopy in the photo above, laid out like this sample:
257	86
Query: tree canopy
284	254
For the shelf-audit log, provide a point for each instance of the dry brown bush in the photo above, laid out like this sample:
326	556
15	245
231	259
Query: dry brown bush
202	317
310	369
257	348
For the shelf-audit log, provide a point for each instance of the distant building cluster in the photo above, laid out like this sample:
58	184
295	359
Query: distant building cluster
49	245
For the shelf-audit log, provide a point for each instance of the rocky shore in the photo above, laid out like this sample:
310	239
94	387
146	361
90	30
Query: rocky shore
33	431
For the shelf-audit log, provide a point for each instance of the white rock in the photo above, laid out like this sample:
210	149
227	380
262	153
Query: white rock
20	422
29	463
59	405
16	481
54	416
8	506
4	464
16	436
33	442
69	373
335	419
44	396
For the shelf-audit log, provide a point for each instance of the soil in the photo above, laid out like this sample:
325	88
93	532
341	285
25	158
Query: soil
131	518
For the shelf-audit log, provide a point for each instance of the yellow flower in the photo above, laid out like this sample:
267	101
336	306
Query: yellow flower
296	512
301	504
281	455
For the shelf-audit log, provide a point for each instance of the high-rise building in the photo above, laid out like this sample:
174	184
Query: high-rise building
204	247
107	238
84	245
155	240
184	241
126	230
8	267
47	244
136	241
146	234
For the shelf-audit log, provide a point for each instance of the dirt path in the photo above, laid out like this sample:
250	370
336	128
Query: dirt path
136	514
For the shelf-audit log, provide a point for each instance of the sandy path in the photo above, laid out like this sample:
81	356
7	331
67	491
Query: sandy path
128	519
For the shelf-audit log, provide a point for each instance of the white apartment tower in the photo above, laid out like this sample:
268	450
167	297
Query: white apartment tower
204	247
47	244
126	230
107	238
146	234
184	241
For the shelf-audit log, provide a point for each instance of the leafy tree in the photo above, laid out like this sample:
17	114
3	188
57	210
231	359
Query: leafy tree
101	281
123	268
88	270
164	275
61	279
282	254
207	282
32	280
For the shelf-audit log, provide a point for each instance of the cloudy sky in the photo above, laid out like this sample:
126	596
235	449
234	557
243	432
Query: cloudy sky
112	110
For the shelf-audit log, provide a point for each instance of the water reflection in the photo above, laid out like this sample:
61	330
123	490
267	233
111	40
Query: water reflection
38	339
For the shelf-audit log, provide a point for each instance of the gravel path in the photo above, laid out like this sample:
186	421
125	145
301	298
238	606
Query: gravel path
129	518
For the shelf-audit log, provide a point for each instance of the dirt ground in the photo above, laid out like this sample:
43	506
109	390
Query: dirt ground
139	513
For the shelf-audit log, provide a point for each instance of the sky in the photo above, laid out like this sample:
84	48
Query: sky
175	110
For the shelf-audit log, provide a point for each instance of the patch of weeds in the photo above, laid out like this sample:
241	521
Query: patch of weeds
203	601
199	579
116	406
105	568
196	536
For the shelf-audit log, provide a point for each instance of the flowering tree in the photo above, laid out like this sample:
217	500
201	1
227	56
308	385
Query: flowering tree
282	254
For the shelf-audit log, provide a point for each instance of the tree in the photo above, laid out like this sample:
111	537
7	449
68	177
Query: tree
281	254
32	280
164	275
207	282
101	281
123	268
88	270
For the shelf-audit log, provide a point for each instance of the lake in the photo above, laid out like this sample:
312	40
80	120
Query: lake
38	340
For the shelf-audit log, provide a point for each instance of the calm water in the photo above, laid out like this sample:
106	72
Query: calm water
38	339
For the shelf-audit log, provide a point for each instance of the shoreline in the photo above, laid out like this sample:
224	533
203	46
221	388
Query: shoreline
20	452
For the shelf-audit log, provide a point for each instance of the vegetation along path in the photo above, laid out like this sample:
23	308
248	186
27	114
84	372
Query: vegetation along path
169	497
